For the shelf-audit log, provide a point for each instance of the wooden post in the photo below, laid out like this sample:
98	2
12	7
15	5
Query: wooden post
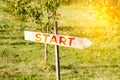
57	53
46	54
46	49
47	31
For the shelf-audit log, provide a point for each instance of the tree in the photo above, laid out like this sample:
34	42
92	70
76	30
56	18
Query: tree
42	12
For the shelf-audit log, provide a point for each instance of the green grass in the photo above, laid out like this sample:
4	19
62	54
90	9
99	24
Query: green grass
24	60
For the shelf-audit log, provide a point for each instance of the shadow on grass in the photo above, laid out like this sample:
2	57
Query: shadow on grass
22	43
17	43
2	37
69	67
11	37
100	66
5	30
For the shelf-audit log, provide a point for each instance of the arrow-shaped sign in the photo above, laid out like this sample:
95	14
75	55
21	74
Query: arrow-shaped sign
61	40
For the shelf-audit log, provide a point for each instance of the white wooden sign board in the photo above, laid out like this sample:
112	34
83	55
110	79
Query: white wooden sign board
60	40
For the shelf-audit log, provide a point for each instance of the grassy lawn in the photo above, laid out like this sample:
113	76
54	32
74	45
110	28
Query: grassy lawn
24	60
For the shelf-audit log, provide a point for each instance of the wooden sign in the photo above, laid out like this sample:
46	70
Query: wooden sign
61	40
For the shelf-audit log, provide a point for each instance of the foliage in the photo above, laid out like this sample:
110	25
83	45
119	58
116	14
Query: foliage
38	11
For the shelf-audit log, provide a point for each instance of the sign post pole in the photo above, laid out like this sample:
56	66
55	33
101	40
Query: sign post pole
57	53
57	40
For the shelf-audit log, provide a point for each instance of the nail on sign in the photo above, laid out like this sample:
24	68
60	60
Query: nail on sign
61	40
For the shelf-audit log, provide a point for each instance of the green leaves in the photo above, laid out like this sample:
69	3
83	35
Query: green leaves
42	12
